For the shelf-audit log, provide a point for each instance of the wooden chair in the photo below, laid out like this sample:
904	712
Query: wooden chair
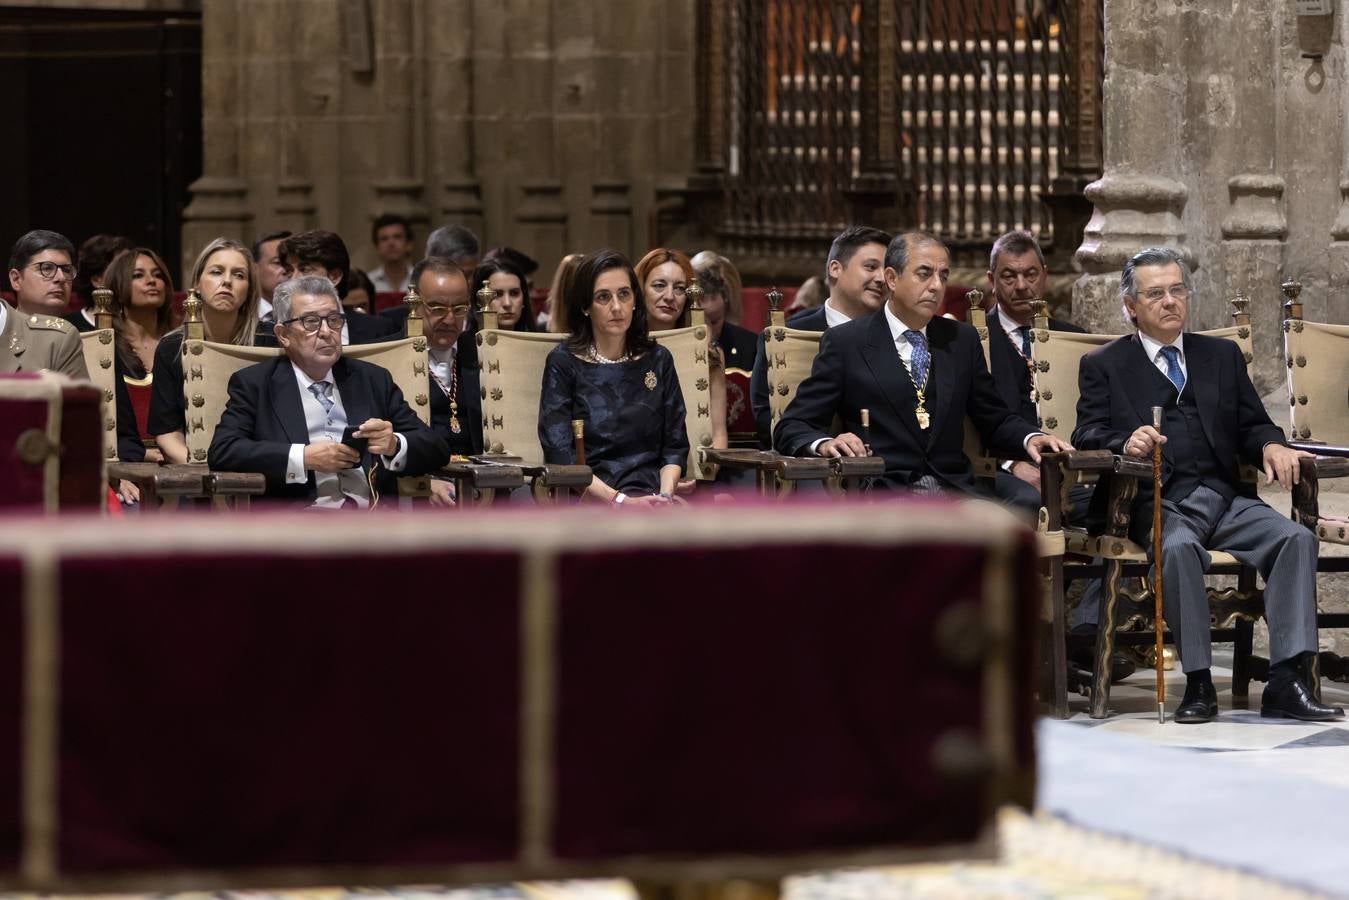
1317	355
1056	355
208	366
100	350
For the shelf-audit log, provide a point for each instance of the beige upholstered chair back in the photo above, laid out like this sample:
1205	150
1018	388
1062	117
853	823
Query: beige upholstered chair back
984	466
405	360
1056	355
1317	356
791	353
207	367
99	348
689	347
511	381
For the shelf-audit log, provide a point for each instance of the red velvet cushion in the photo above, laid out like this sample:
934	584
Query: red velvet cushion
275	711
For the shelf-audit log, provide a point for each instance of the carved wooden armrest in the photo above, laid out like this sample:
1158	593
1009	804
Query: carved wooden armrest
802	468
1325	467
858	466
484	475
559	475
1133	467
1306	493
231	484
154	479
740	458
1082	460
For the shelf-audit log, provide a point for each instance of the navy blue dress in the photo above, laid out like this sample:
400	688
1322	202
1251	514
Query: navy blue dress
633	413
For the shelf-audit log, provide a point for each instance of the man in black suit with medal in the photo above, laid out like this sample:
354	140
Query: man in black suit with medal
452	370
324	431
1212	419
918	375
855	273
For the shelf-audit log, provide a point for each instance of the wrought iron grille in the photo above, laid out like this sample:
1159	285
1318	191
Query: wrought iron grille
961	112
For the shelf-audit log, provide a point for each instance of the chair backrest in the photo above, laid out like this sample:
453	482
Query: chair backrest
690	347
1317	355
207	367
100	348
791	353
511	380
405	360
984	465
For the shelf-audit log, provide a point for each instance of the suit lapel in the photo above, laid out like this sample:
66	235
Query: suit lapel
882	358
286	405
941	381
1137	386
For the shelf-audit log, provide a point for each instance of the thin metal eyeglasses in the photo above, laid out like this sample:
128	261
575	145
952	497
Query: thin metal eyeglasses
437	310
1178	291
48	270
313	322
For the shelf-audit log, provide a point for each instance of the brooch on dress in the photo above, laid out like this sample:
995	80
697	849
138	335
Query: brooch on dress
650	380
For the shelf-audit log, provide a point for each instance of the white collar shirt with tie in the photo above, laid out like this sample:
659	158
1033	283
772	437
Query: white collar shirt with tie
832	317
1153	348
331	490
442	364
1013	330
897	329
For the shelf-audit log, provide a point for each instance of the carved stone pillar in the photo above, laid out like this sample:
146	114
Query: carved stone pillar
398	189
1252	259
541	221
219	204
611	206
450	26
1140	198
1339	245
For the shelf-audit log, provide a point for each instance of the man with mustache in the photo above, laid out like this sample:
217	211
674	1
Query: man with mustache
918	375
1212	419
855	272
288	417
33	336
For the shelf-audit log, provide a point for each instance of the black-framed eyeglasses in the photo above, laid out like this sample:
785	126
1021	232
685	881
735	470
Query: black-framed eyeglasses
312	322
48	270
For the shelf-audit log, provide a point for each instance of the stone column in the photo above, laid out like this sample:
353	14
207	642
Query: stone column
1338	251
448	50
219	204
1140	198
398	188
1252	260
294	207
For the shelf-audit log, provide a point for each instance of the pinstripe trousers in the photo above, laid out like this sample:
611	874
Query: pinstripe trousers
1283	552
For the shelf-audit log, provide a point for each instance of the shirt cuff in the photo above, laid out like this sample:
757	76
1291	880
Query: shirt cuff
295	472
1006	465
815	446
1025	444
400	459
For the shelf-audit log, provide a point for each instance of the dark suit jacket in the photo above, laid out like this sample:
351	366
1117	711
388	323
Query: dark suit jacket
469	438
1008	366
739	346
264	416
806	320
1115	398
859	367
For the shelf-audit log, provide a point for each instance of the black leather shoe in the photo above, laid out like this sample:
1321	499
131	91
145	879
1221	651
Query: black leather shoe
1200	704
1082	655
1292	700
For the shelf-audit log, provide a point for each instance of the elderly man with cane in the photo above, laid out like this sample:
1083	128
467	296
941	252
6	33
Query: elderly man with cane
1211	418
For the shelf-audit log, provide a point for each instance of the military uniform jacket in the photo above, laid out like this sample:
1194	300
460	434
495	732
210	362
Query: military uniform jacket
31	343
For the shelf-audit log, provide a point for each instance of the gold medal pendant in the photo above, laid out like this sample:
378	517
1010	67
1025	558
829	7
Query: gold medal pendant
922	416
454	424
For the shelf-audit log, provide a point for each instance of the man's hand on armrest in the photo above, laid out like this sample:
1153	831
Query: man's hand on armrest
846	444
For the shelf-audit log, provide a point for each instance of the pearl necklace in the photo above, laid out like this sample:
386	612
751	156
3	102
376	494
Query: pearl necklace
593	355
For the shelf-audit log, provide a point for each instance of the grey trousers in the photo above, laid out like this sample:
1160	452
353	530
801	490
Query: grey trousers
1283	552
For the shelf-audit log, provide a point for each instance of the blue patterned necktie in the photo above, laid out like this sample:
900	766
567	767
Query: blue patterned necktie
1024	331
918	362
322	391
1173	370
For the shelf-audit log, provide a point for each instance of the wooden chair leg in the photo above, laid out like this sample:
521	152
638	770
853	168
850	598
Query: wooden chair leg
1058	637
1241	658
1105	637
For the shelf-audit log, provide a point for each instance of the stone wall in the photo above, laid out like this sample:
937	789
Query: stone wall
1224	140
547	124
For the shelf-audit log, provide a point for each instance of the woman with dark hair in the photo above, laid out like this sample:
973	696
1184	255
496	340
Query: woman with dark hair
95	255
360	296
510	291
620	383
142	306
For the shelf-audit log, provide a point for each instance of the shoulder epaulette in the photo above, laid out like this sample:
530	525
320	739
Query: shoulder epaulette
50	323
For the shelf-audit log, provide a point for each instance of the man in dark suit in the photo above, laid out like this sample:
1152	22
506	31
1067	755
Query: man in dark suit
288	417
855	273
324	253
452	371
1016	277
919	376
1212	419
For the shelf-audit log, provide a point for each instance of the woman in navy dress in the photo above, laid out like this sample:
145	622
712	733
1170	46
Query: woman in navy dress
610	374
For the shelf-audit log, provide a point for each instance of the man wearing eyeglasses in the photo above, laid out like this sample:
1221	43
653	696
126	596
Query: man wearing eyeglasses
1213	419
317	425
33	336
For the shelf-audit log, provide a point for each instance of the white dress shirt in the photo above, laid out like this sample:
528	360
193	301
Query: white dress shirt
264	309
332	489
442	363
1153	348
832	317
1010	326
384	285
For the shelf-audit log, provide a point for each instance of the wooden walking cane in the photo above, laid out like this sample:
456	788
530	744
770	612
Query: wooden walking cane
1157	562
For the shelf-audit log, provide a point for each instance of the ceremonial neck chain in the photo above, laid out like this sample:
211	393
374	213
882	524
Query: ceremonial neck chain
920	411
594	356
452	392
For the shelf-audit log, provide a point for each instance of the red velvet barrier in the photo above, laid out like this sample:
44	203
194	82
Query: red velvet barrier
283	711
11	709
22	481
788	720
